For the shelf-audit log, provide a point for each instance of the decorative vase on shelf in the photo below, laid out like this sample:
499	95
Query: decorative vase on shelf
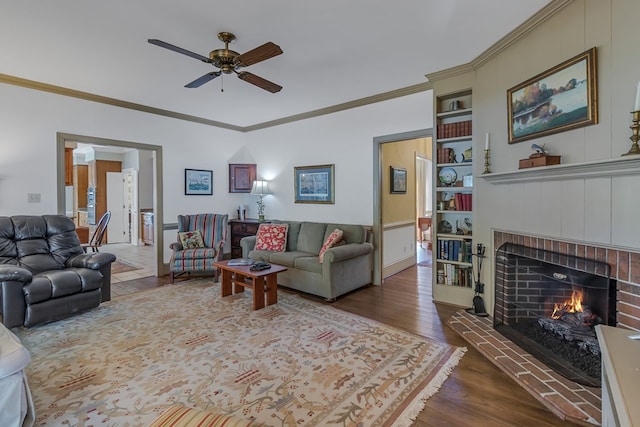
261	217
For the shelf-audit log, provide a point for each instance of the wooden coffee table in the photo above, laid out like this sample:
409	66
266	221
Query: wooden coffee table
264	282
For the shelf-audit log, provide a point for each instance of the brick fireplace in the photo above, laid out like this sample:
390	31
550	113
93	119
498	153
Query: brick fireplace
567	399
624	269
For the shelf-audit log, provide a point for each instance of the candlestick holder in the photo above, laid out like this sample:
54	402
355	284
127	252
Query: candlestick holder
635	137
486	161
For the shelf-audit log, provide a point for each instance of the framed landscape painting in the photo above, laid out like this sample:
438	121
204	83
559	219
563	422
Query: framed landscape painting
198	182
314	184
559	99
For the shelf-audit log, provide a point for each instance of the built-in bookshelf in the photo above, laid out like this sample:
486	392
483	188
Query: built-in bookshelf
453	196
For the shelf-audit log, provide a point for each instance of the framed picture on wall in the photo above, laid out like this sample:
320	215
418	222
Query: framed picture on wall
198	182
241	177
562	98
398	180
314	184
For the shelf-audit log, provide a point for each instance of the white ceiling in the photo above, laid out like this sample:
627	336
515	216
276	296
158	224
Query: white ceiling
334	51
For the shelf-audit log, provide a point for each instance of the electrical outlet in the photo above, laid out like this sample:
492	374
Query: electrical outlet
33	197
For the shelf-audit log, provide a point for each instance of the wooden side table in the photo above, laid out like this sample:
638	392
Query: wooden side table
241	228
264	282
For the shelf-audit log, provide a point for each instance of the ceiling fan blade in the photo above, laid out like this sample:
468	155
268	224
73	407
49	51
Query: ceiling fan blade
202	80
179	50
261	53
259	81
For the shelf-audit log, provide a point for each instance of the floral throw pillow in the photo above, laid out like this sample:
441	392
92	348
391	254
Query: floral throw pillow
334	238
272	237
191	239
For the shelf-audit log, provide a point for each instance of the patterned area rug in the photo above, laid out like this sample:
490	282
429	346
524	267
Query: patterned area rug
122	267
294	363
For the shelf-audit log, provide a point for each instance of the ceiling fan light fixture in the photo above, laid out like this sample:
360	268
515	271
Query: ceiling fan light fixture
228	61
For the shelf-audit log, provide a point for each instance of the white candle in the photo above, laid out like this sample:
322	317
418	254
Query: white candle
486	142
637	105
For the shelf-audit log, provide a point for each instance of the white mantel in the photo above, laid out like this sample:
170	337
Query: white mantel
624	165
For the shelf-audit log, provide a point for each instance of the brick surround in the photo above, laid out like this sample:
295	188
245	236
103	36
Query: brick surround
625	269
567	399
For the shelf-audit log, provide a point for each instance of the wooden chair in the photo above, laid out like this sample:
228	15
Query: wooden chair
98	234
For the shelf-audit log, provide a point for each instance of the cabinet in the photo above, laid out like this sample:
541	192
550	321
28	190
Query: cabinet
147	228
68	166
239	229
453	199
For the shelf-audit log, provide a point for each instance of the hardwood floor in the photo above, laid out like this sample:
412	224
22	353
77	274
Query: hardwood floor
476	393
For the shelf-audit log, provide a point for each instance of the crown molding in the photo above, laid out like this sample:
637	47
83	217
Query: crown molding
522	30
59	90
409	90
450	72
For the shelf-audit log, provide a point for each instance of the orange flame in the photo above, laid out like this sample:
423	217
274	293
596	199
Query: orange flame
574	305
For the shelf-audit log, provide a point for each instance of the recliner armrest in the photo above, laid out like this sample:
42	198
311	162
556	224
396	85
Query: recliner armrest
14	273
94	261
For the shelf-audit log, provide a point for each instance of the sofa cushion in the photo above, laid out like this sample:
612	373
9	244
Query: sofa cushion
60	283
191	239
292	233
333	239
350	233
288	258
272	237
309	263
312	236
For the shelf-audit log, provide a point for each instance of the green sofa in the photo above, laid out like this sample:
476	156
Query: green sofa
345	267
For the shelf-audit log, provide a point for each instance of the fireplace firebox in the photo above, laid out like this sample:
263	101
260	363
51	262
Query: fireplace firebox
549	303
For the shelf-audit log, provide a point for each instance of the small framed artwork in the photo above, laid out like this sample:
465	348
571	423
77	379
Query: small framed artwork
314	184
398	180
241	177
559	99
198	182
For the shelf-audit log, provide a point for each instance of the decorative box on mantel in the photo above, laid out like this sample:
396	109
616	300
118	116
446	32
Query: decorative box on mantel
539	159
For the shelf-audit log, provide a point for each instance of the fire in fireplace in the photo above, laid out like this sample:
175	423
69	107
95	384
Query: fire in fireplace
549	304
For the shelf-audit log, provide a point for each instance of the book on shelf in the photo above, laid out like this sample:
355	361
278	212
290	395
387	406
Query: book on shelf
461	276
463	201
454	130
454	250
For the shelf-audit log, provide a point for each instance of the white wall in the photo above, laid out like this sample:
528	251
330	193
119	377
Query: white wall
31	119
344	139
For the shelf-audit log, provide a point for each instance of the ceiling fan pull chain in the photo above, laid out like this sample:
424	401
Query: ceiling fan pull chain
222	83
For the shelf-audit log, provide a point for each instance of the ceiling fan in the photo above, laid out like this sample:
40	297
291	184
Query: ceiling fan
229	61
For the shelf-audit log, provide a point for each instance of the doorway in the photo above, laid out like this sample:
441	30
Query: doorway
157	190
391	240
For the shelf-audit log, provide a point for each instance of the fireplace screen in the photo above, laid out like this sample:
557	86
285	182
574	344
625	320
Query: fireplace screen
549	304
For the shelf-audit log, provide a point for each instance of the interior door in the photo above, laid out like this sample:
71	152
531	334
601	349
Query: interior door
118	229
131	205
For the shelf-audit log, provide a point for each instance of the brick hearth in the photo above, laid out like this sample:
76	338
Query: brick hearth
569	400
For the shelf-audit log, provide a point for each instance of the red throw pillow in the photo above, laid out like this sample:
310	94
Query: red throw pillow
272	237
333	239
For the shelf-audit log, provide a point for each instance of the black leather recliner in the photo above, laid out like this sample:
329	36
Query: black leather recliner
45	274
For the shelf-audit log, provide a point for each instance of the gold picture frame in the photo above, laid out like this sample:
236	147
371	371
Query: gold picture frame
562	98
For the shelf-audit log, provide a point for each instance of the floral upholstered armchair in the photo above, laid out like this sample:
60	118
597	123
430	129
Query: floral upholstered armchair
201	239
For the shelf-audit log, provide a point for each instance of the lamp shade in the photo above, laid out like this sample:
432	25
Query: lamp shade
260	188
